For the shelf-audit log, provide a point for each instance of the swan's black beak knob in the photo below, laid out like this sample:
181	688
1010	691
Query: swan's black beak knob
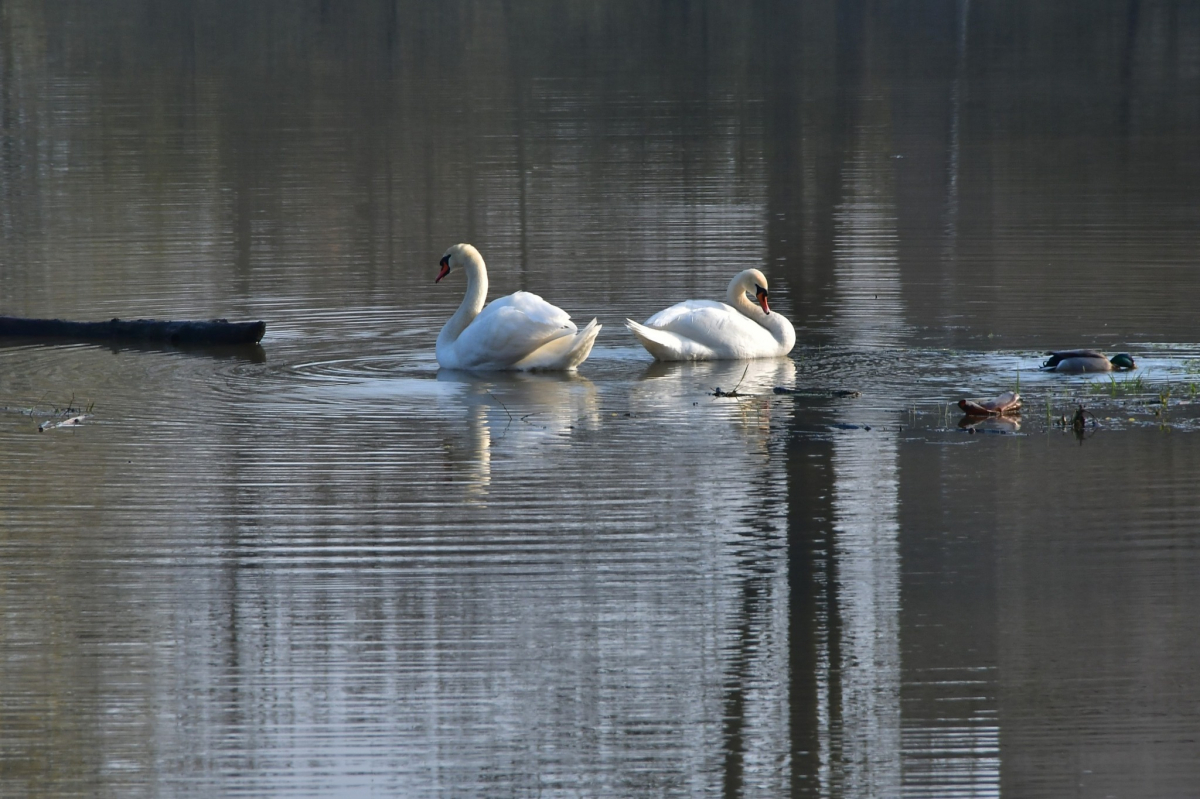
445	263
760	294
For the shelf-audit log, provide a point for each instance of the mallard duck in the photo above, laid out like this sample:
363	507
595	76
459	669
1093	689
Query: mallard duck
1079	361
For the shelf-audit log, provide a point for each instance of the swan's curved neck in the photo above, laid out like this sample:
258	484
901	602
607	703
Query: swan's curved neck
737	297
780	328
472	304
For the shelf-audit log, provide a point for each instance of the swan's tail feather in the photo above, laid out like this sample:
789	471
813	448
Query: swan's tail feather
583	344
565	352
662	345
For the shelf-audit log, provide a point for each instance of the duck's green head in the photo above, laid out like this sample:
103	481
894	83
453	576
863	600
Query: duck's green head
1123	361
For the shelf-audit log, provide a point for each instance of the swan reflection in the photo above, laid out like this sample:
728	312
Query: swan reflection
743	389
759	376
507	413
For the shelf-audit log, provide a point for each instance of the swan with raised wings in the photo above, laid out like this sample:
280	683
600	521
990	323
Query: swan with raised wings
703	330
521	331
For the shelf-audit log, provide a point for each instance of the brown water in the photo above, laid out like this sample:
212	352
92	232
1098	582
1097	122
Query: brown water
323	567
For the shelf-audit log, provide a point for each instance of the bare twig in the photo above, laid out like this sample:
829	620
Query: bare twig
500	402
717	392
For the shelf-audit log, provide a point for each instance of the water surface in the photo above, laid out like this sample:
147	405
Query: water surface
324	567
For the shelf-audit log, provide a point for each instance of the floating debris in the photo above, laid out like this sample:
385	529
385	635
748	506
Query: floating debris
215	332
1007	403
1080	420
74	421
717	392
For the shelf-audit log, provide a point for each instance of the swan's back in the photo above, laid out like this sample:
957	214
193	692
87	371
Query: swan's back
691	312
700	330
536	310
520	331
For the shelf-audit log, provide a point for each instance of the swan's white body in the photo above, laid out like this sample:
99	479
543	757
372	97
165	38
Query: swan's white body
521	331
703	330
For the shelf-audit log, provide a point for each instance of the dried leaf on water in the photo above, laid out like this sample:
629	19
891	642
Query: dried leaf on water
1007	403
74	421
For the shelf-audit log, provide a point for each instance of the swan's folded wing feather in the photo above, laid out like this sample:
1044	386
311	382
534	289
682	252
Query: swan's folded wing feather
686	313
512	327
535	308
667	346
565	352
713	326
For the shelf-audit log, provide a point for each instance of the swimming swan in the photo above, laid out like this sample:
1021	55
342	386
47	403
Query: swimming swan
521	331
703	330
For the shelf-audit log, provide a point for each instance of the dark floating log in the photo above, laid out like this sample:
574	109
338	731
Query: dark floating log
214	333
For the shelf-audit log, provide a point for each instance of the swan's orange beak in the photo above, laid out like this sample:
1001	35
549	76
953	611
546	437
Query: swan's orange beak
445	269
760	294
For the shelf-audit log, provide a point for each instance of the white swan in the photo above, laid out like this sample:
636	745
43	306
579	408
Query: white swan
520	331
702	330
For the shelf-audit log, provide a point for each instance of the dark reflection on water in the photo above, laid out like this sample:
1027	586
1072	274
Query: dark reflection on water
326	568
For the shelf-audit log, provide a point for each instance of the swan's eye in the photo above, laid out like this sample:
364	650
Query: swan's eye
445	261
759	290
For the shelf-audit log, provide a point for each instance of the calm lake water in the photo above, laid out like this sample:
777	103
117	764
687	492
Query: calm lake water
323	567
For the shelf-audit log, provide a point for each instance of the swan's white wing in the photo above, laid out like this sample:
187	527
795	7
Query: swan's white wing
683	312
534	307
714	326
667	346
510	329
